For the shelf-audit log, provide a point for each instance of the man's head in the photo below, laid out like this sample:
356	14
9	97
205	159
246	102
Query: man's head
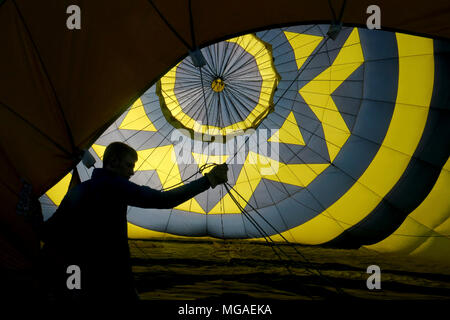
120	158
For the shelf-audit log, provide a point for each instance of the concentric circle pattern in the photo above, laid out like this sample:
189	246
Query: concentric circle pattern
233	92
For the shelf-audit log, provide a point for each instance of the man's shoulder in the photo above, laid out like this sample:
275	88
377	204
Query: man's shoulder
77	192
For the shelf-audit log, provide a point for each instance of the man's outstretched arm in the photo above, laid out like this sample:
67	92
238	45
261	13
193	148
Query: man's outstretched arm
146	197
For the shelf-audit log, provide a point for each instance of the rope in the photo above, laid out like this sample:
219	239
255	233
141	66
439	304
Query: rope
266	237
264	234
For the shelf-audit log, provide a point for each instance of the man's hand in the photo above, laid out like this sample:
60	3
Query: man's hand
218	175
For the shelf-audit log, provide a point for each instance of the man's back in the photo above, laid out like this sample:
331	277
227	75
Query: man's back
89	230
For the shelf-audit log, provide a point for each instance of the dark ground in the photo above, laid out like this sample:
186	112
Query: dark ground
218	270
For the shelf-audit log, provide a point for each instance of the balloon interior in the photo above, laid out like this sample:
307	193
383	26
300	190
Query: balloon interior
336	136
329	142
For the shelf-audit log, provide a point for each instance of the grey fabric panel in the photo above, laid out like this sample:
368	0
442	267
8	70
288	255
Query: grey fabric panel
312	156
378	44
112	136
347	96
306	199
48	207
373	120
210	198
345	104
187	224
288	153
169	221
436	139
306	119
85	173
314	65
153	219
189	171
226	226
266	221
142	140
380	81
358	153
317	144
233	226
330	186
148	178
349	121
442	72
296	210
276	39
271	192
255	226
45	200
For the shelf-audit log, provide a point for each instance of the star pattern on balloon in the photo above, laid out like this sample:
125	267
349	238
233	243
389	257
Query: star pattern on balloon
317	93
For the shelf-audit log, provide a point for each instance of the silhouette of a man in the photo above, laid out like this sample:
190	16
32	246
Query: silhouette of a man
89	229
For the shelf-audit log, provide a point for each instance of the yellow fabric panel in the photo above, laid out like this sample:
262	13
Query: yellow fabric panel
160	159
59	190
333	118
388	165
190	205
349	58
435	248
416	117
415	56
335	138
303	45
289	132
409	236
444	227
99	150
137	119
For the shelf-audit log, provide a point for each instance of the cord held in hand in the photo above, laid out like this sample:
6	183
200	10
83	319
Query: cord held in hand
218	175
